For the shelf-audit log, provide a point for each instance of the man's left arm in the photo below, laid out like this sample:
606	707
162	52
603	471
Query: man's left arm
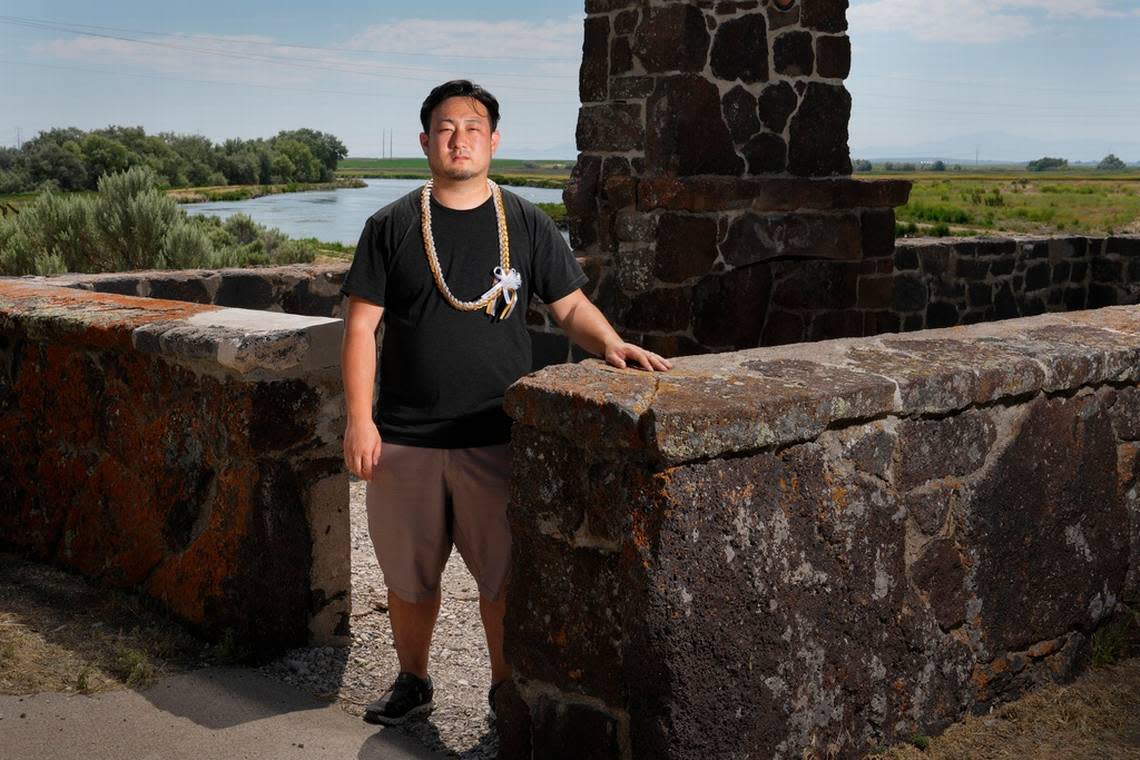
584	324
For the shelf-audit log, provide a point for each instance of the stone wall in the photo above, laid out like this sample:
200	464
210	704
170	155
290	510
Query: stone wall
190	452
910	285
825	546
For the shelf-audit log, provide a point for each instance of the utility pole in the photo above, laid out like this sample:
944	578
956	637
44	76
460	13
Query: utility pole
19	139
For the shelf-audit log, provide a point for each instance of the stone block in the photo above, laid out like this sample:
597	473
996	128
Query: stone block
686	247
582	188
882	321
739	107
1123	245
824	15
684	132
635	269
1046	528
833	56
127	286
614	126
766	153
755	237
672	38
779	18
836	324
933	449
631	87
940	573
1105	270
729	309
878	233
242	289
793	54
594	72
817	144
621	56
906	257
818	285
635	226
783	327
876	292
626	21
663	309
941	314
740	49
775	104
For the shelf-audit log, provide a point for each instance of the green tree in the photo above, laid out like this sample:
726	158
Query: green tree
863	165
938	166
60	165
104	155
1111	163
1046	163
326	148
306	167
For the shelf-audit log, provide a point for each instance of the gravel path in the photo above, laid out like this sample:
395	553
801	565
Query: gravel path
357	674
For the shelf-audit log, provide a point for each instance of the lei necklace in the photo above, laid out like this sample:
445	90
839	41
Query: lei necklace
507	280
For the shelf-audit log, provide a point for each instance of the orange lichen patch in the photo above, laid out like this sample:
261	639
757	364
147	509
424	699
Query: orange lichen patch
839	496
1044	648
189	582
558	639
96	320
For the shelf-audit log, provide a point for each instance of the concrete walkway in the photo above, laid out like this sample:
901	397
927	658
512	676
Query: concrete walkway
223	713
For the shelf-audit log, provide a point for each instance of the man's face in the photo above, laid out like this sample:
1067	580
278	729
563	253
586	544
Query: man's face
460	143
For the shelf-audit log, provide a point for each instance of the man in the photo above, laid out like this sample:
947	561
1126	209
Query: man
450	268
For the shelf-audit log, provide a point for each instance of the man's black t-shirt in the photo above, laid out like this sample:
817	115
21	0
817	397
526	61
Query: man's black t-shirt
443	372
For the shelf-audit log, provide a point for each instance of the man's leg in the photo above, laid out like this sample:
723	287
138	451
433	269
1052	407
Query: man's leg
412	626
492	614
480	480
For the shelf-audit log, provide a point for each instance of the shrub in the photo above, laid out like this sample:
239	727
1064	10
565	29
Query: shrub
130	224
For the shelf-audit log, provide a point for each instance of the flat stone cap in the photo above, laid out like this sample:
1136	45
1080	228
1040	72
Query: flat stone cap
240	341
718	404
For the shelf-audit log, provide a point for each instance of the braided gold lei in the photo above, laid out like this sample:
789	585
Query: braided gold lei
507	280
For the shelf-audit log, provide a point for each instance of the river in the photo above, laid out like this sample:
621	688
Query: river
334	215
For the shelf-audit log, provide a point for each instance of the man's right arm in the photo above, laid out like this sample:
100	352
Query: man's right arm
358	371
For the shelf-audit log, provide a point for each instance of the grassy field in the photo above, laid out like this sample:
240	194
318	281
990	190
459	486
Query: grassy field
505	171
945	203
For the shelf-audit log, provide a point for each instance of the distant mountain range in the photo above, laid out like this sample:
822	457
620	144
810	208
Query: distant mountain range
1000	147
992	147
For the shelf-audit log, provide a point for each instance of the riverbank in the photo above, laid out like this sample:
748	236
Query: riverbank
517	180
249	192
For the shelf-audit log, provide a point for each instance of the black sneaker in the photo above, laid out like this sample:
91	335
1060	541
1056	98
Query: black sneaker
409	697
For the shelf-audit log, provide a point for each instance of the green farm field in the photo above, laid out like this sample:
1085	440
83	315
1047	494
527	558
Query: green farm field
1027	203
508	171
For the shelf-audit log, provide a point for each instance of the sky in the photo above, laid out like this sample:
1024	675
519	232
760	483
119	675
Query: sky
962	79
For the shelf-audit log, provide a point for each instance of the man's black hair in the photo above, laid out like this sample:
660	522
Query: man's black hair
459	88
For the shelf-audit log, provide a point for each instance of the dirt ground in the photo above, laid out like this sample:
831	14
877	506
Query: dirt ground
59	633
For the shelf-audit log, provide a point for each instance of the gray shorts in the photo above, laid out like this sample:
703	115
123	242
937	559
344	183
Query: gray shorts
420	500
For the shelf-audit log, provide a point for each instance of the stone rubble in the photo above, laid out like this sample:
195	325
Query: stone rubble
357	674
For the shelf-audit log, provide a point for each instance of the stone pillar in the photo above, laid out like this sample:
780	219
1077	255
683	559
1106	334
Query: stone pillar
714	161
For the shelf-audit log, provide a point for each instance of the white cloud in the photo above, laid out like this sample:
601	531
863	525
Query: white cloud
966	22
538	56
